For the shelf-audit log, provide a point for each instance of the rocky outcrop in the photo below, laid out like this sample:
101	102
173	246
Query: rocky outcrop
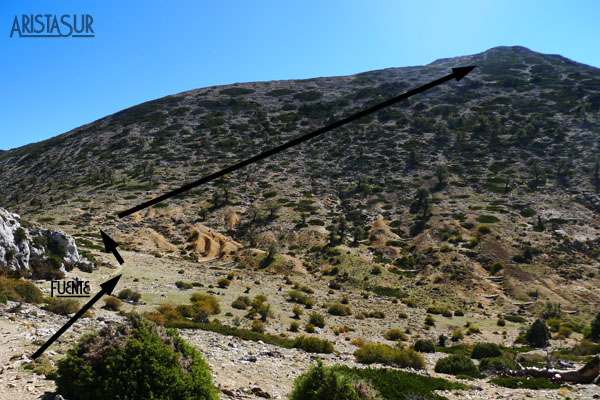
21	242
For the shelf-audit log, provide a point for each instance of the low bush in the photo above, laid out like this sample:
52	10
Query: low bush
313	344
298	297
257	326
297	312
183	285
389	291
206	303
112	303
294	326
473	329
483	229
62	306
320	383
136	361
394	384
429	321
459	313
485	350
130	295
538	334
371	353
223	283
525	383
456	364
395	334
436	310
494	365
316	319
515	318
424	346
457	335
339	310
20	290
241	303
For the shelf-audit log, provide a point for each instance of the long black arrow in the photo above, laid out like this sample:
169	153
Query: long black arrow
111	246
107	288
457	73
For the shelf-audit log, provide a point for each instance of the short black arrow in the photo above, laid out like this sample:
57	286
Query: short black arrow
111	246
457	73
107	288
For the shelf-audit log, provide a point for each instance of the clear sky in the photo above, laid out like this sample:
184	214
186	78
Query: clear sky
144	50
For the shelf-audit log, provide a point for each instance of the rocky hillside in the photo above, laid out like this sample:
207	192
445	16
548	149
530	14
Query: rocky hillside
488	186
36	252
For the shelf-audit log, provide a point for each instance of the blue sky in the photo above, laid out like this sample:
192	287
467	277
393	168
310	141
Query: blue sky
148	49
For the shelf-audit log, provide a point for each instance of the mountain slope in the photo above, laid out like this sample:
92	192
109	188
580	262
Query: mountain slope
513	145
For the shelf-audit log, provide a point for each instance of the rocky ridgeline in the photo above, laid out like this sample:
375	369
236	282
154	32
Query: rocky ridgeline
23	246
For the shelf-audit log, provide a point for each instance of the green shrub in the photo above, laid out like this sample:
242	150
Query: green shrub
456	364
487	219
424	346
183	285
389	291
457	335
429	321
538	334
525	383
495	365
257	326
20	290
374	314
297	312
205	303
131	295
459	313
395	334
294	326
447	313
297	296
313	344
321	383
485	350
112	303
484	229
496	267
136	361
62	306
339	309
241	303
20	235
316	319
223	283
310	328
380	353
595	329
515	318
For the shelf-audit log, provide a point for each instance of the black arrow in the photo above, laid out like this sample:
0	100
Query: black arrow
111	246
107	288
457	73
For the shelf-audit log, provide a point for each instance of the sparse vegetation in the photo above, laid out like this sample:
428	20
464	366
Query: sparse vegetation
147	355
457	364
380	353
